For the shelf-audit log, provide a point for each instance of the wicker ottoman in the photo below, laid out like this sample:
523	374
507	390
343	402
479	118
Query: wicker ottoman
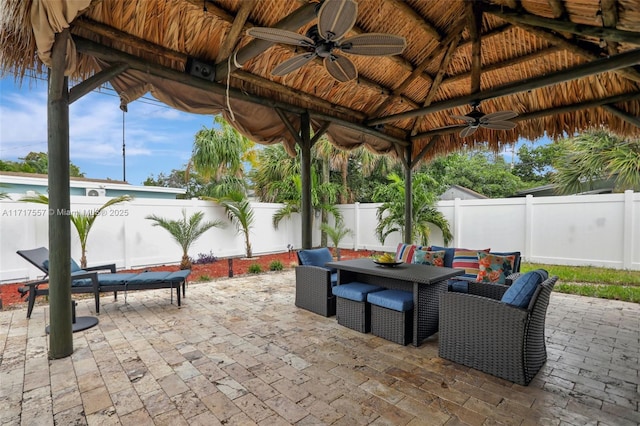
352	309
392	315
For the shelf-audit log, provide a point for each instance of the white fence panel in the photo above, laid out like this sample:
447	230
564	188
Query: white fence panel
598	230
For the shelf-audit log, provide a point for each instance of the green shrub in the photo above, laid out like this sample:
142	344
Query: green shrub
276	265
204	278
255	268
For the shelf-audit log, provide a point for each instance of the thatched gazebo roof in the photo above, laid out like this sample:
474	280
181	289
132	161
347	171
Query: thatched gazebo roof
561	65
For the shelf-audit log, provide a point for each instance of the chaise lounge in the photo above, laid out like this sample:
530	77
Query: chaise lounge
88	280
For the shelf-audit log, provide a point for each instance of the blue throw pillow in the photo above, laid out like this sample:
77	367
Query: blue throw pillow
448	254
520	292
74	266
315	257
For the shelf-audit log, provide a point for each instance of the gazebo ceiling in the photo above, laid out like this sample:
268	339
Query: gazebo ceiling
561	65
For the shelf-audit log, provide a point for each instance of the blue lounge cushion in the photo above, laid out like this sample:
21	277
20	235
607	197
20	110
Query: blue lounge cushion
355	291
520	292
103	279
397	300
74	266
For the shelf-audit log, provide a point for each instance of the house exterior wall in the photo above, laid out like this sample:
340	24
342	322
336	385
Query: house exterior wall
597	230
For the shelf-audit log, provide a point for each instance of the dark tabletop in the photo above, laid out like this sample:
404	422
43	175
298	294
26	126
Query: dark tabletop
424	274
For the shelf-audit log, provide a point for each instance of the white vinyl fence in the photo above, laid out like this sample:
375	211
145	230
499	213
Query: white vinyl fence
598	230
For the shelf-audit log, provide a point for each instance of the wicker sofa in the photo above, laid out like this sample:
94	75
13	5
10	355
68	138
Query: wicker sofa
482	331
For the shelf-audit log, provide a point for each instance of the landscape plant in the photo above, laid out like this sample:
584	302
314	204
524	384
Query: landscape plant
255	268
336	234
239	211
276	265
185	231
82	220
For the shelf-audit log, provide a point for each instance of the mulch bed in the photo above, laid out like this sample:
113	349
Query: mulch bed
10	297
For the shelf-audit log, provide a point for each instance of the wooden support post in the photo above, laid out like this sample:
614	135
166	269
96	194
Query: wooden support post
60	328
305	171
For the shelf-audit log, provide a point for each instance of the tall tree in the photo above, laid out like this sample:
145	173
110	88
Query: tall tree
82	220
595	155
391	213
35	162
535	165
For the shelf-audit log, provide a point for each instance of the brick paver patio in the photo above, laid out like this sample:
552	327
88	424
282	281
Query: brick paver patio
239	352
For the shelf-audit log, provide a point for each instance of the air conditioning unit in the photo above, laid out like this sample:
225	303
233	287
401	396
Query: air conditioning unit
95	192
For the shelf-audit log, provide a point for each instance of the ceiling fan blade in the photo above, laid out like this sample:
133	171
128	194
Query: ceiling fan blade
277	35
464	117
340	68
374	44
499	125
468	131
336	17
293	64
499	116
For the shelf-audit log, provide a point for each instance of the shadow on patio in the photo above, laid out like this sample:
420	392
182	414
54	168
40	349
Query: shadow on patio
240	352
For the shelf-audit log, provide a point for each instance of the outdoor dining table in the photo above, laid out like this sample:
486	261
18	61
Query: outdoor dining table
424	281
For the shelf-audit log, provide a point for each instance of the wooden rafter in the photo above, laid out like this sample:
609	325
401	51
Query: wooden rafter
474	18
595	67
444	65
629	73
504	64
622	114
610	20
234	34
609	34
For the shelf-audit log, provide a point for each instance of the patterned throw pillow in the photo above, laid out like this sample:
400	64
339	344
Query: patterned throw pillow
494	269
468	260
404	252
431	258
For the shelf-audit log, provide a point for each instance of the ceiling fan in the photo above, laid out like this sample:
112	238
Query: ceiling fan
476	118
324	40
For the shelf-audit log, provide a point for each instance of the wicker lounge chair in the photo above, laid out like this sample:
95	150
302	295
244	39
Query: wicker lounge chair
88	280
480	331
314	282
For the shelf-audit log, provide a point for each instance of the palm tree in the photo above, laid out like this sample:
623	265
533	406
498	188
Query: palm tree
185	231
317	204
336	234
240	213
82	221
221	152
272	175
594	155
391	214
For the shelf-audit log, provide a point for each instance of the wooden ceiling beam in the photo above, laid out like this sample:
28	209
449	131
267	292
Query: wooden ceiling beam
591	68
610	20
622	114
95	81
111	55
499	30
519	17
234	35
610	101
630	73
504	64
135	42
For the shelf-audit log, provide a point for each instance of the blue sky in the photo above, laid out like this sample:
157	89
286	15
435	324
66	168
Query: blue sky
157	138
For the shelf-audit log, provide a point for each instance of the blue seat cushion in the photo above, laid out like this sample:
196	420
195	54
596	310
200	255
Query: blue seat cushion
355	291
520	292
397	300
103	279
